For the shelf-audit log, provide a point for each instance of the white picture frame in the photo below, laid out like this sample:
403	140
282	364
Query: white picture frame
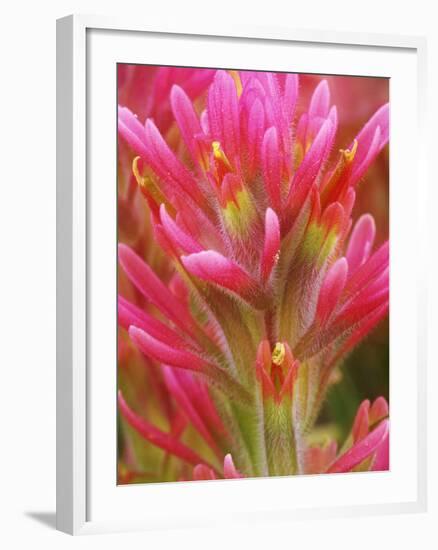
76	394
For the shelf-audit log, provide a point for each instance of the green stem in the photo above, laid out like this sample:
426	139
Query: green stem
280	438
250	424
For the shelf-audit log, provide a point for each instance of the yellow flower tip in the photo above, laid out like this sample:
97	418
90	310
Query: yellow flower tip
349	154
235	76
142	179
216	146
136	171
219	154
278	354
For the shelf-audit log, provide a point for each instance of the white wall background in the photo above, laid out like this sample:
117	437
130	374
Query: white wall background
27	299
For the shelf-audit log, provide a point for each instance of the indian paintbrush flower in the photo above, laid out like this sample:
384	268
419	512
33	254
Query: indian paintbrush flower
270	283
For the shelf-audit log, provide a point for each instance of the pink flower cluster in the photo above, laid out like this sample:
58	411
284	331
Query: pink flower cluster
264	283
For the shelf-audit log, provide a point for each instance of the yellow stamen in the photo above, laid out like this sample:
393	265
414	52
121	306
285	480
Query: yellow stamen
349	154
219	154
278	354
147	182
235	76
136	171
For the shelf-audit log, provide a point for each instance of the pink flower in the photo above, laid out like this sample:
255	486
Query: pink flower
269	283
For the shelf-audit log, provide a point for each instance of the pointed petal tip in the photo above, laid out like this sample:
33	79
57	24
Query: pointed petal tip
361	450
272	243
379	410
176	90
205	263
320	101
230	471
176	354
213	267
331	290
271	216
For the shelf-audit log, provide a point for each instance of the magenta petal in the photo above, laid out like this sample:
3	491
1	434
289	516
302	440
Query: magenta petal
376	264
371	140
272	163
179	237
361	450
320	102
361	422
130	121
132	131
366	135
163	352
168	167
313	161
290	96
203	119
223	115
212	267
186	403
142	276
276	116
271	245
331	290
373	150
187	121
379	410
381	460
256	128
129	314
333	117
361	242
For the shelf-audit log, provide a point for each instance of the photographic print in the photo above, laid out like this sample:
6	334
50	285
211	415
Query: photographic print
253	274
